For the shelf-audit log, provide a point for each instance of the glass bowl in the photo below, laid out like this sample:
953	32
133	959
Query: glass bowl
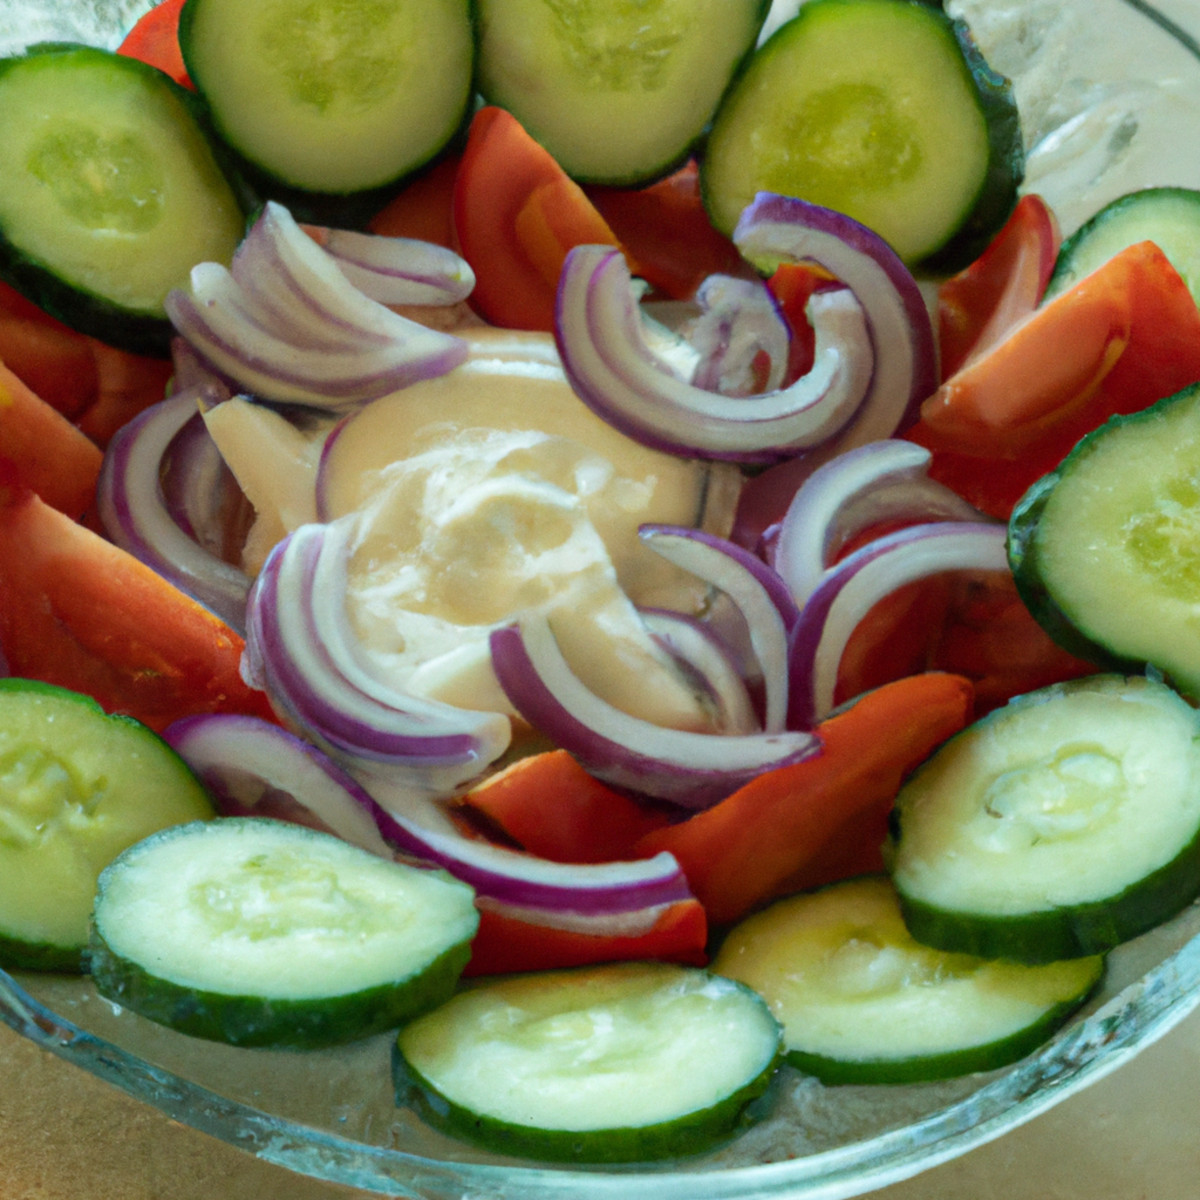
1096	125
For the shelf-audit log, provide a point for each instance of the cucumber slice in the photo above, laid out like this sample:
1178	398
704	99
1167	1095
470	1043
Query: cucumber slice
109	192
1104	549
862	1002
618	1063
619	92
261	933
1167	216
881	109
77	786
331	97
1058	826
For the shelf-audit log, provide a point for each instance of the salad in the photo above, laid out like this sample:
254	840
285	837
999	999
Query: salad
624	675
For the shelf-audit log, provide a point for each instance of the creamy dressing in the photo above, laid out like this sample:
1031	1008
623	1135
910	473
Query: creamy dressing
477	497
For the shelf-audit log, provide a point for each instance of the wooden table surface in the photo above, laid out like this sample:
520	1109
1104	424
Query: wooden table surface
67	1136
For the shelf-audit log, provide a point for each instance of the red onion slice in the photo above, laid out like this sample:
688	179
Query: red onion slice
606	355
739	330
758	592
782	229
881	481
285	324
244	760
862	579
396	270
692	770
709	663
420	743
134	512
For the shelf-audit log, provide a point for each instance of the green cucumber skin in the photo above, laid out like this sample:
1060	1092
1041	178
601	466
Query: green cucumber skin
950	1065
18	955
85	312
1027	576
997	197
1060	933
88	312
22	954
344	210
998	192
258	1021
652	174
1023	556
1065	272
678	1138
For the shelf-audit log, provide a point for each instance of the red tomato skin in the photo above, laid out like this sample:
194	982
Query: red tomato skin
501	171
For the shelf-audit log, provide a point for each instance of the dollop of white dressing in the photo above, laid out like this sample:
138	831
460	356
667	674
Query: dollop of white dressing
480	496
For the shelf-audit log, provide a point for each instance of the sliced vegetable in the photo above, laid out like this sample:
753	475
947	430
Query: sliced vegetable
549	805
618	93
861	1002
776	229
980	305
516	214
1167	216
1118	341
336	100
1103	547
46	452
109	192
849	592
133	508
284	322
154	39
743	851
885	111
79	612
262	933
77	787
607	356
684	1054
682	767
1058	826
52	360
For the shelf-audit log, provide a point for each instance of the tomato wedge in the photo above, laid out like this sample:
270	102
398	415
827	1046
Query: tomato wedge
506	943
980	305
752	845
516	214
549	805
1121	339
77	611
45	452
154	39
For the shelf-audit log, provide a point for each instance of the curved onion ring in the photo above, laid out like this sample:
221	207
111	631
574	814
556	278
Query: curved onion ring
363	723
850	590
881	481
755	589
397	270
779	228
739	325
285	324
134	512
705	658
605	353
692	770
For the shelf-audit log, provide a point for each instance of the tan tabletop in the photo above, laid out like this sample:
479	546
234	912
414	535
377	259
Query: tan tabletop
67	1136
